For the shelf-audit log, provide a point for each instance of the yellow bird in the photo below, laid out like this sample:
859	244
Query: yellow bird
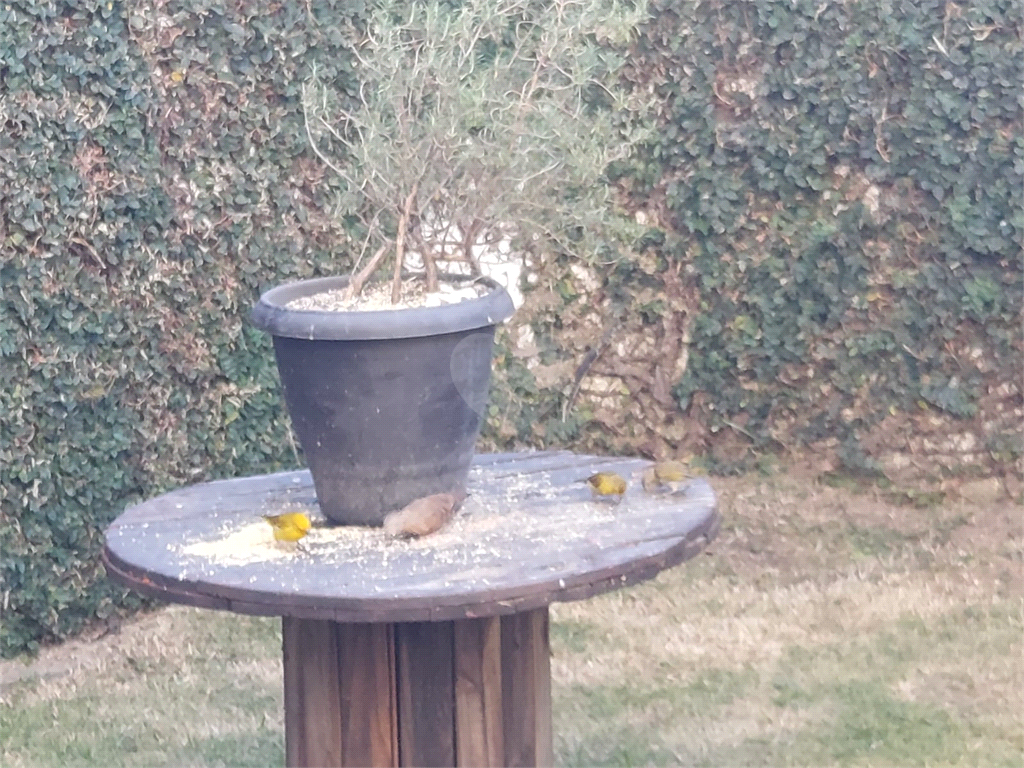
665	475
291	526
606	484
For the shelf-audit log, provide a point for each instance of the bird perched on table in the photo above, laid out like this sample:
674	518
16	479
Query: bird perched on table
291	526
606	485
665	476
422	517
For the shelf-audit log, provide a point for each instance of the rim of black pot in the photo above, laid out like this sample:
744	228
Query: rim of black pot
272	315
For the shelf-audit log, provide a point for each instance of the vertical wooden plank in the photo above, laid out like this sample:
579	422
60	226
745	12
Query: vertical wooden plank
526	688
312	701
541	632
369	713
426	693
478	719
294	712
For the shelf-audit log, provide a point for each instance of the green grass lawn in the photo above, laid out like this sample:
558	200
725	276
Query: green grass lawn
823	627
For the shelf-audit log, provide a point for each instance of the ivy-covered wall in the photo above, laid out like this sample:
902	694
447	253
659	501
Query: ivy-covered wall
838	189
834	256
154	178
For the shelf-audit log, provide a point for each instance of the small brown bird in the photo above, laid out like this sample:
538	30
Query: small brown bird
665	476
422	517
605	485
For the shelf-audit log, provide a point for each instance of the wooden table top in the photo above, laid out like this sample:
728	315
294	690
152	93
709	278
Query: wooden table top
528	535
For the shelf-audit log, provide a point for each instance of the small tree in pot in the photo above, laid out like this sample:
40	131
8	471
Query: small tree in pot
488	125
480	126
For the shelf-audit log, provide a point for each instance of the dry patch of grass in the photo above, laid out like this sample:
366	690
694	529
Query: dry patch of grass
824	627
175	687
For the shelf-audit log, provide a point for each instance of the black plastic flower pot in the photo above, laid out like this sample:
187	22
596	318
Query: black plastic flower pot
387	405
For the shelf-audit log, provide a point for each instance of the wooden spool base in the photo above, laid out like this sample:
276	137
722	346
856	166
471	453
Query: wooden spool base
424	652
470	692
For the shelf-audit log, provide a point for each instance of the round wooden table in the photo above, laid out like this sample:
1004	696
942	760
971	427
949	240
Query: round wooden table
432	651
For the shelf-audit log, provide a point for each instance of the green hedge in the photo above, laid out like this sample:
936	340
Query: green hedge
840	192
852	174
836	189
154	178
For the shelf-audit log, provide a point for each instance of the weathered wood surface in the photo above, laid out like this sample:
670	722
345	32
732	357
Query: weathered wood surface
471	692
426	693
478	717
312	696
526	688
339	694
528	535
368	704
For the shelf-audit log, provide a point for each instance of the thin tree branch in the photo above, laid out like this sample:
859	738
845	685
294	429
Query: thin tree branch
403	224
355	285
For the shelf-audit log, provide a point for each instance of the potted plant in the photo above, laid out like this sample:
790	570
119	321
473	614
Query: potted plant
479	130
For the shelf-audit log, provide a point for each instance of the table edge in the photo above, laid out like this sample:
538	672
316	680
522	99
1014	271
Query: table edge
413	609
